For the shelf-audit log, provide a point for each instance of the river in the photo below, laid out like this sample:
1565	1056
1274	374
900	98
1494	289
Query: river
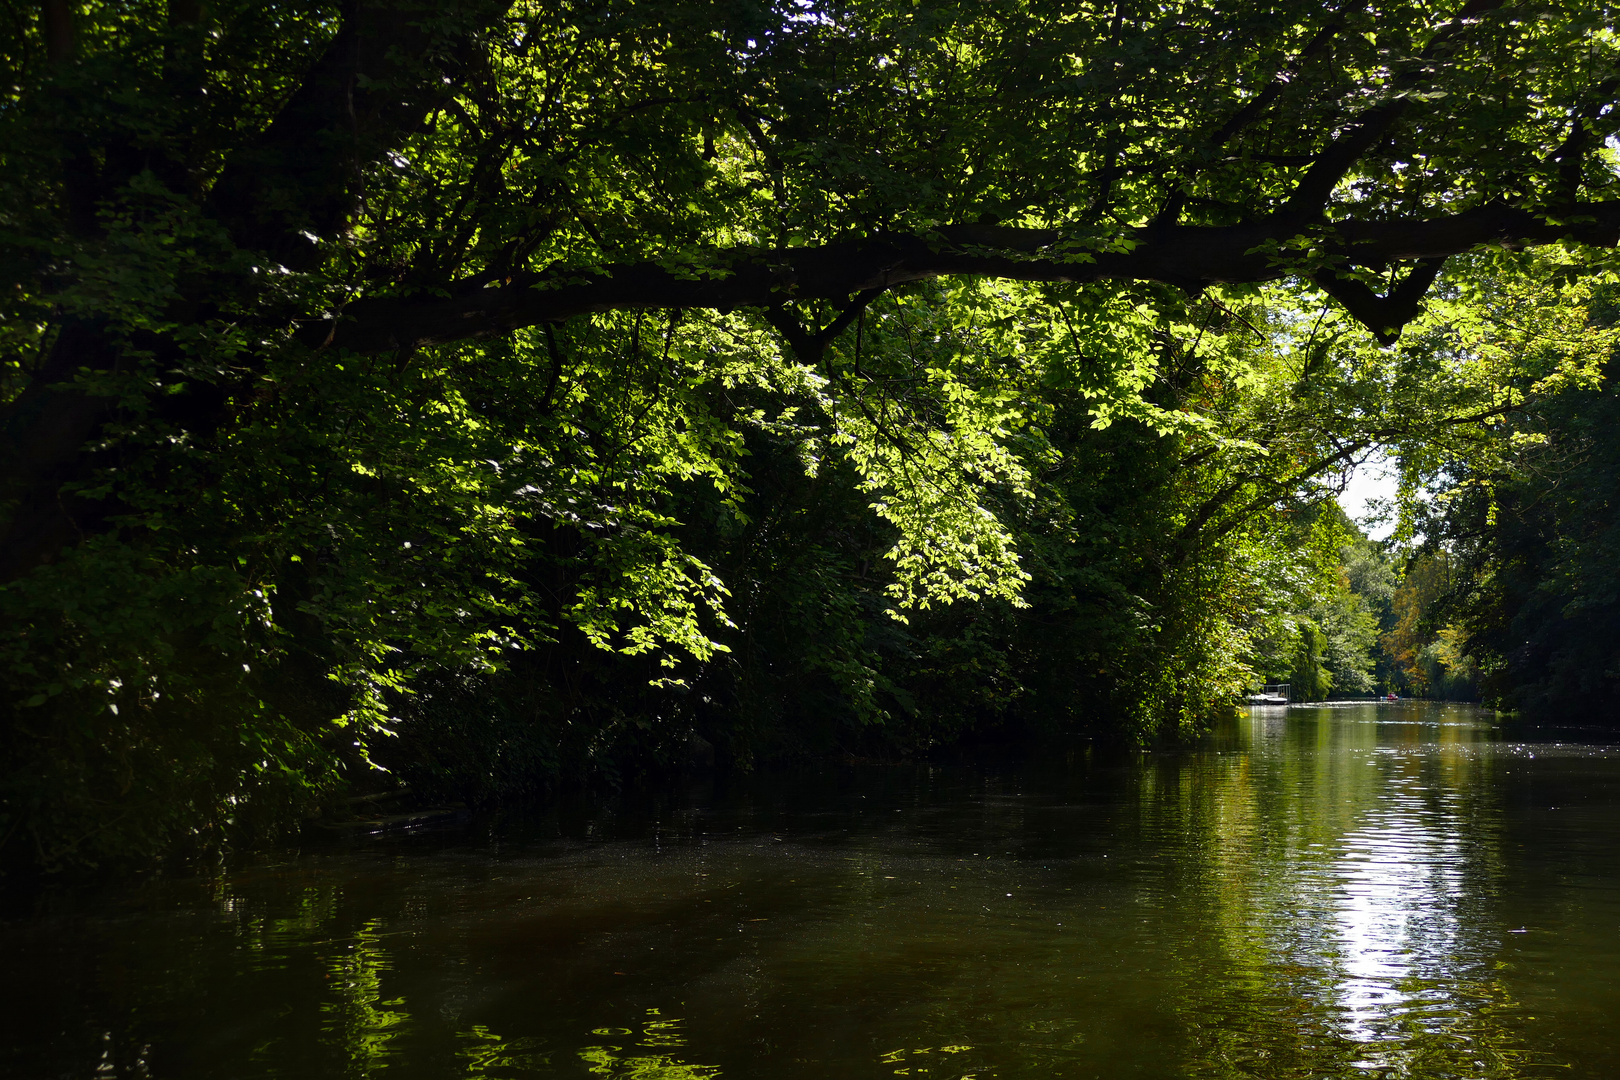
1357	891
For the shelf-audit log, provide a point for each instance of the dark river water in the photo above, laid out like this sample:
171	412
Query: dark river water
1362	891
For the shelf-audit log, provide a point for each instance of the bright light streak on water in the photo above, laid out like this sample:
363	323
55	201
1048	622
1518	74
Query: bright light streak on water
1396	913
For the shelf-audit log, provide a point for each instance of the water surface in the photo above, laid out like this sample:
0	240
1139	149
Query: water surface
1366	891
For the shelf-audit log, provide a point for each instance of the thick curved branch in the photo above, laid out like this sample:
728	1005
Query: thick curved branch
1383	315
809	347
1184	255
1310	195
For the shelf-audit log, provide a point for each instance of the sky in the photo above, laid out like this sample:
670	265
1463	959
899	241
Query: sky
1373	479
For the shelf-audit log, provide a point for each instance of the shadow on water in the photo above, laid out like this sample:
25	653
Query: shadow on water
1371	891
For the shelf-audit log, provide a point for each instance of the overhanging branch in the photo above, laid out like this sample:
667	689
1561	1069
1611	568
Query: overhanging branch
1190	256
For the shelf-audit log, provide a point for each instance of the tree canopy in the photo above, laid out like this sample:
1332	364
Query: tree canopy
661	360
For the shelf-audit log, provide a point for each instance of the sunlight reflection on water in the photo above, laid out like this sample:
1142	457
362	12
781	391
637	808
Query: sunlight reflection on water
1396	915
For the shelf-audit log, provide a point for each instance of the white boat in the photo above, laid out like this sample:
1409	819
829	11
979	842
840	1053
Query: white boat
1272	694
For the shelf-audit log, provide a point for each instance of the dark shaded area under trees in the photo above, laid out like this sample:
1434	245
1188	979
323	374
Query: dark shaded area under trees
515	395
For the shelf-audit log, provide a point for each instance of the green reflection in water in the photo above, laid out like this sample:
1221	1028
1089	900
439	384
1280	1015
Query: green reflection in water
930	1061
1338	862
656	1034
486	1054
358	1021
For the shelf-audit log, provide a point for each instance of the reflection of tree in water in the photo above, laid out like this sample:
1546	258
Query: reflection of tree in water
484	1053
358	1020
929	1061
1339	896
364	1028
657	1034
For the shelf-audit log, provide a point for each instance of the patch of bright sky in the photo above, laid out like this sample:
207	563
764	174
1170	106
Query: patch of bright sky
1372	480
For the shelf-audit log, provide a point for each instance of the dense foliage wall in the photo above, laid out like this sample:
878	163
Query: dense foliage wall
1523	582
511	393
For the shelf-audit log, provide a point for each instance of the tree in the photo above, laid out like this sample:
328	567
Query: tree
429	179
1530	523
345	342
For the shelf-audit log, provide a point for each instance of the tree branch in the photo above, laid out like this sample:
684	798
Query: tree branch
1185	255
298	180
1310	195
1274	489
56	16
1251	111
809	347
1383	315
1256	106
